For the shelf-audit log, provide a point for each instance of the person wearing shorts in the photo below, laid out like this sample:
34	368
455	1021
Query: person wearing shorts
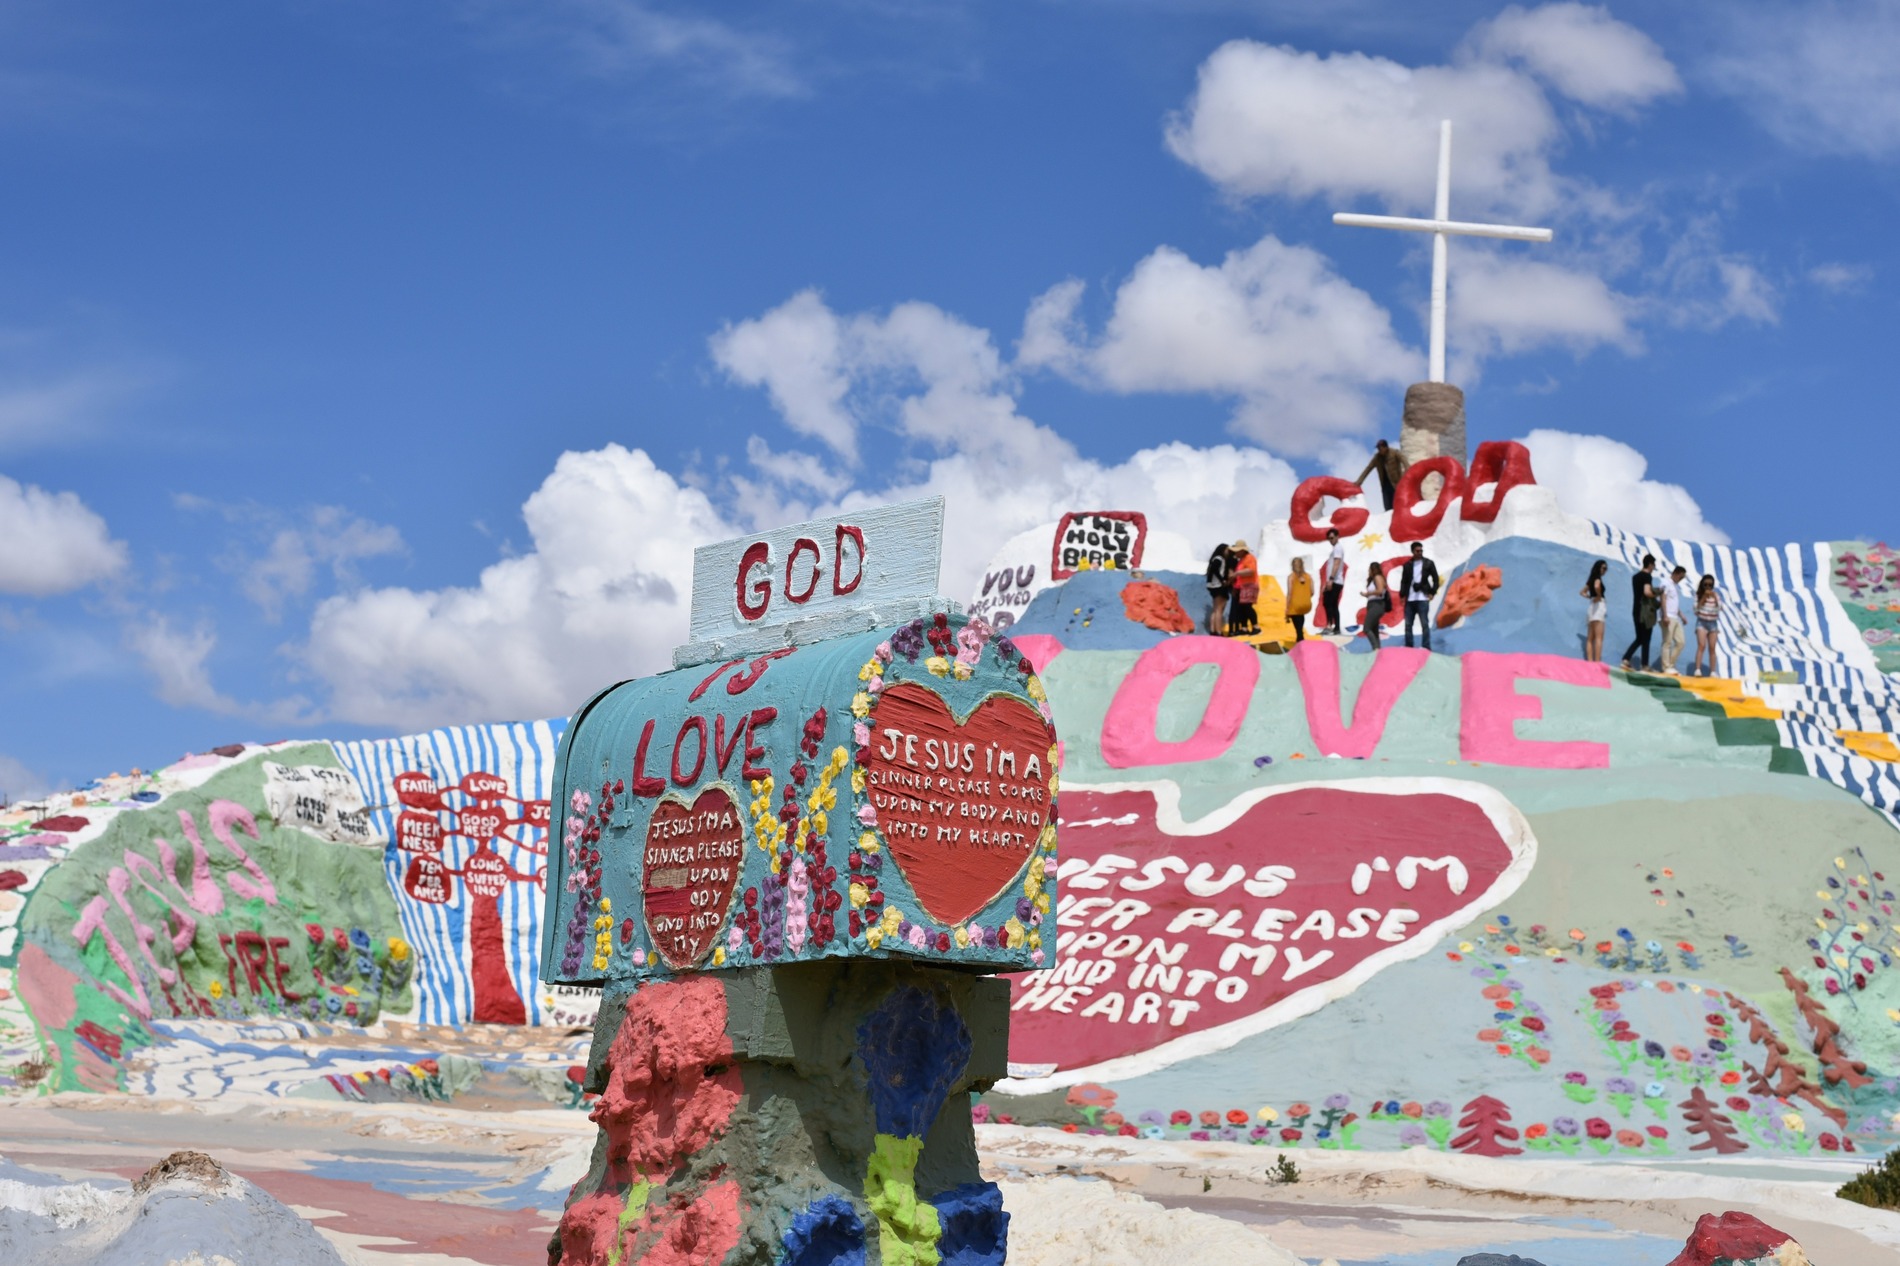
1708	612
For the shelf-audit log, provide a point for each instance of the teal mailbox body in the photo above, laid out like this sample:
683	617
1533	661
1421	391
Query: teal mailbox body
889	794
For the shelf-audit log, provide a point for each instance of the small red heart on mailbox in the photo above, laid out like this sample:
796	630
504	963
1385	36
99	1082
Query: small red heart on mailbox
689	871
961	804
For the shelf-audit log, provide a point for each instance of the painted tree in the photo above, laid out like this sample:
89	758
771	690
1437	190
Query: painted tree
1705	1118
1836	1066
1484	1124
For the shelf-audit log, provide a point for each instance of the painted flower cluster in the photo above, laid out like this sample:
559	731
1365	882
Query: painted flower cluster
797	902
586	819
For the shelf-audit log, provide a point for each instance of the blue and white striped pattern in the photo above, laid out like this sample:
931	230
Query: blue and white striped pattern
1776	618
521	753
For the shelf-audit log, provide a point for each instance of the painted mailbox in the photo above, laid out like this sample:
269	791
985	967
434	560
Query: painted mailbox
797	868
889	794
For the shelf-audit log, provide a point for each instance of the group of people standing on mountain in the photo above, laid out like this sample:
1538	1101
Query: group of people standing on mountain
1657	599
1233	589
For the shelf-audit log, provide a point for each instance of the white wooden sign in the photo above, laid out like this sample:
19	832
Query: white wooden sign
799	584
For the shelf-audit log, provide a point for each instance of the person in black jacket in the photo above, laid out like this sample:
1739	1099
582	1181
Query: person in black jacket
1220	584
1418	582
1643	607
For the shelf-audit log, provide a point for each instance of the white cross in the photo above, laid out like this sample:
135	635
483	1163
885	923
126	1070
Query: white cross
1439	226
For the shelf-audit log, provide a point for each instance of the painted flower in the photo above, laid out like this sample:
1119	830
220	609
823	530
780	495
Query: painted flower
1236	1117
1299	1110
1654	1090
1268	1114
1565	1127
1597	1128
1290	1135
1794	1122
1737	1103
1412	1108
1438	1108
1536	1131
1210	1118
1090	1095
1413	1136
1490	1035
1730	1078
1829	1143
1577	1079
1337	1103
1629	1138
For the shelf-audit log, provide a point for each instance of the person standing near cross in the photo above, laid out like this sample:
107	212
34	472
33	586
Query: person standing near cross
1434	423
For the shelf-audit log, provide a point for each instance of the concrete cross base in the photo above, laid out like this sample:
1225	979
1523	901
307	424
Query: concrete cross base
1434	426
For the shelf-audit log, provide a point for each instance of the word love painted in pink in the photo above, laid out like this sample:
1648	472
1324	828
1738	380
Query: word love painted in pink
1178	938
1490	703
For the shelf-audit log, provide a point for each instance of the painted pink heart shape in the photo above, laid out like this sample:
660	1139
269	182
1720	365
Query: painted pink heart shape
1176	938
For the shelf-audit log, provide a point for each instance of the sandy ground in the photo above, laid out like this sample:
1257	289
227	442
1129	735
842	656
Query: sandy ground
434	1185
1420	1208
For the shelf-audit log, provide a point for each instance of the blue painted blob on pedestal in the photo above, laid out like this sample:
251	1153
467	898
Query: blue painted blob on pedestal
914	1049
975	1228
828	1233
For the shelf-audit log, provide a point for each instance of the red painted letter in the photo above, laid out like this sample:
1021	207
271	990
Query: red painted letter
1346	519
802	545
643	785
1504	463
856	536
755	595
1407	524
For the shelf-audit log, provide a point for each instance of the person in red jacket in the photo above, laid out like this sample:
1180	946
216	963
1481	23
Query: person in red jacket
1242	620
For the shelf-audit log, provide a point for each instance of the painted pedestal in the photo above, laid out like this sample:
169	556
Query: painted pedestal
813	1115
796	877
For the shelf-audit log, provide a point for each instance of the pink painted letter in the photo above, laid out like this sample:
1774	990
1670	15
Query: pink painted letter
1318	665
1492	707
1128	731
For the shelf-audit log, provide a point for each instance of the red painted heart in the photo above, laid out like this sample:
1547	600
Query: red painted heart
1176	939
689	871
960	804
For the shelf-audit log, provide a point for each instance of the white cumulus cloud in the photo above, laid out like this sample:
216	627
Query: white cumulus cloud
1596	477
52	542
1270	120
602	595
1299	348
1818	74
1583	53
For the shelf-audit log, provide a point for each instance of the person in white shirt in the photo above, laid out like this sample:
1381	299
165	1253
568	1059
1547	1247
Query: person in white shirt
1675	609
1332	581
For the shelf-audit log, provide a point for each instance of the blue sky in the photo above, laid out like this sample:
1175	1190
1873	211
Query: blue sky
369	367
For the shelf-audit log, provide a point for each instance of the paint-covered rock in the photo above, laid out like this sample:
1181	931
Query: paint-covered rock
1738	1239
889	795
734	1122
186	1208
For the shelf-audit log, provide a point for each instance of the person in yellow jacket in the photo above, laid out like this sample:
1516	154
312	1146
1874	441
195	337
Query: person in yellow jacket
1299	598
